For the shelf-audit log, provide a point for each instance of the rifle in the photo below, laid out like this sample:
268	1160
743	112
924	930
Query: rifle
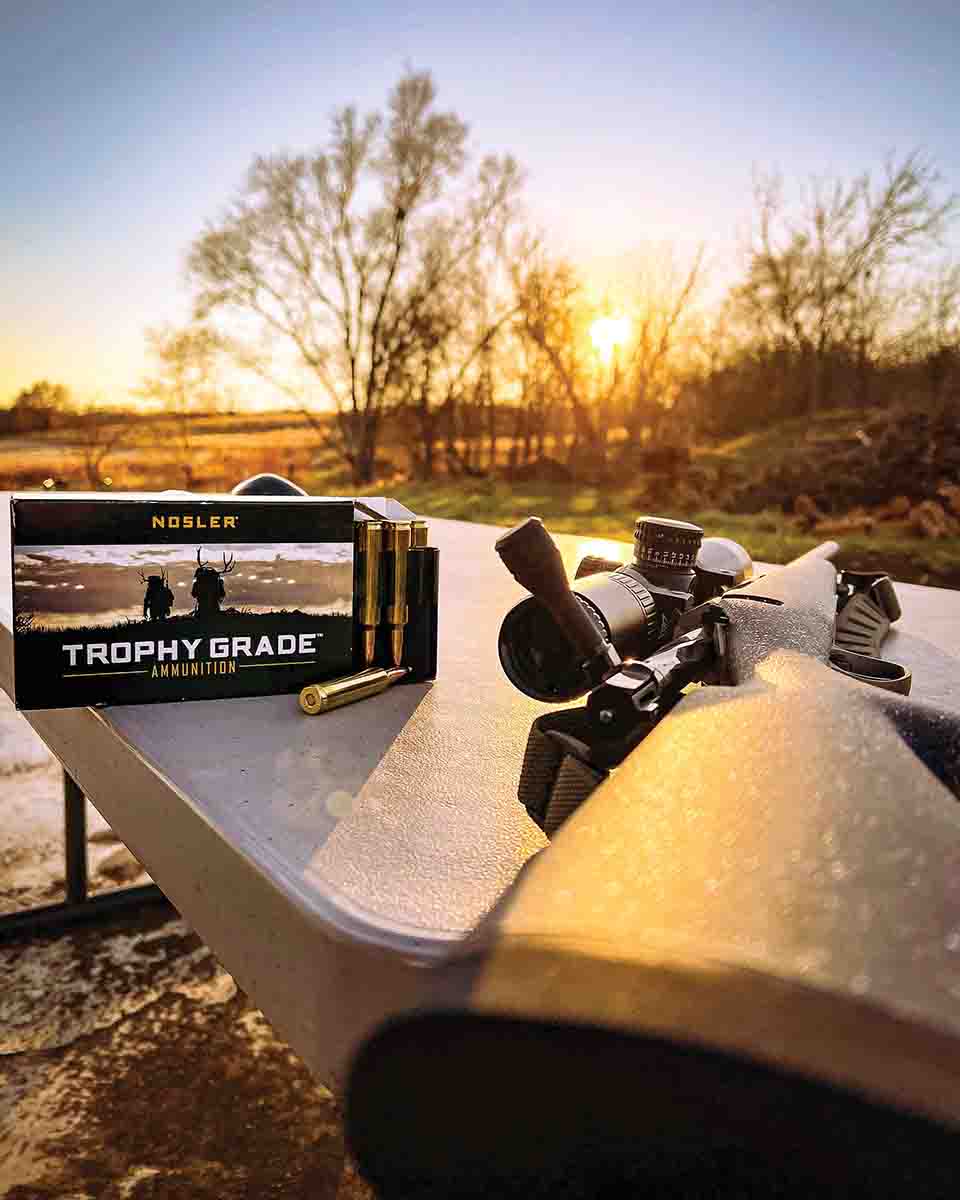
735	970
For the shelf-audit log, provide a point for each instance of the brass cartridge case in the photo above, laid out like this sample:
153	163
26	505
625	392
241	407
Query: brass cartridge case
398	535
370	546
335	693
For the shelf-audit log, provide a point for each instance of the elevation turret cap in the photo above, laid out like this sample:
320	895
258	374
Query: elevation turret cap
660	542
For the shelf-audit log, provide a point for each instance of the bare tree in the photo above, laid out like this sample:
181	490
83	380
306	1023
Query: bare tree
662	331
635	383
431	332
932	337
336	253
445	367
554	317
813	280
99	433
537	398
37	406
186	383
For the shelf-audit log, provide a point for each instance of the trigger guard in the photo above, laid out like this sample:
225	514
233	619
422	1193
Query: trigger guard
891	677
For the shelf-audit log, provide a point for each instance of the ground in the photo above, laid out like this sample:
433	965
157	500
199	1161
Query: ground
132	1066
843	465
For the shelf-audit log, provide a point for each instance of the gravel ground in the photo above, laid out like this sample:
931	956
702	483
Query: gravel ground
131	1065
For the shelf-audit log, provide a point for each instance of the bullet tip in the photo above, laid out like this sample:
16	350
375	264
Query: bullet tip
396	645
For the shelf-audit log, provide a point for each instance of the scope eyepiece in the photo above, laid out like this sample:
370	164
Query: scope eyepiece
537	654
561	642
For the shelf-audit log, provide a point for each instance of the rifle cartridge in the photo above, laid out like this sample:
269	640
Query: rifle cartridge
398	536
335	693
370	546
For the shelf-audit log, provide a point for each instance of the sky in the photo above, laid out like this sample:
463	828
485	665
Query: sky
126	124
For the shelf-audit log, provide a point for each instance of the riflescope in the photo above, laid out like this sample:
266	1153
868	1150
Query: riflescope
561	641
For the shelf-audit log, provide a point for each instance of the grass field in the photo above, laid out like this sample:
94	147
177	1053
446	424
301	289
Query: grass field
222	449
225	449
769	536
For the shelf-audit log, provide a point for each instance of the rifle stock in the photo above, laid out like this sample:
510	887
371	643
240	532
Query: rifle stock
734	971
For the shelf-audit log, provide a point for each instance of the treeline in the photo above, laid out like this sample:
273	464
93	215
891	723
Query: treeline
38	408
844	303
382	278
387	280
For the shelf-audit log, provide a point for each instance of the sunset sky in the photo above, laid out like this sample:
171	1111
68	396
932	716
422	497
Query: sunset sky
126	123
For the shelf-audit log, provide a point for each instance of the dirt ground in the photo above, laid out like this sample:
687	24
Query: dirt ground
131	1065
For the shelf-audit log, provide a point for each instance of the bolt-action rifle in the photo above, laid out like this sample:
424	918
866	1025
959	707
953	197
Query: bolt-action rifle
735	969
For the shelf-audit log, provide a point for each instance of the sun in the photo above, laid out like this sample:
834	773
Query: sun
607	333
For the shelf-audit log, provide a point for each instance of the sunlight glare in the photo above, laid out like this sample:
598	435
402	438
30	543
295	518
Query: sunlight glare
602	548
607	333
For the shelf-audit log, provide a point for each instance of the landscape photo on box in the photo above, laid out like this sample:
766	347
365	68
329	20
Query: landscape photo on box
164	621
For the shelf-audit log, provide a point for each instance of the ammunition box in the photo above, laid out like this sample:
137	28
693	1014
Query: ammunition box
143	598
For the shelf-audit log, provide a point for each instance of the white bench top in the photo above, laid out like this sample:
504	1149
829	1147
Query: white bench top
328	860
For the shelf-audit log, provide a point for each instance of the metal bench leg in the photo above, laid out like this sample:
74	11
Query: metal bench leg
79	906
75	840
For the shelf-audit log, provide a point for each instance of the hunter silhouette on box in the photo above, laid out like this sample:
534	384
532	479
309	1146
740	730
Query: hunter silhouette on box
208	589
158	598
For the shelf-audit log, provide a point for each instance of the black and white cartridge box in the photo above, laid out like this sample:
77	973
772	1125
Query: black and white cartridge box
139	598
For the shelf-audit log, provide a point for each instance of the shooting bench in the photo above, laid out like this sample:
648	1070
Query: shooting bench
328	860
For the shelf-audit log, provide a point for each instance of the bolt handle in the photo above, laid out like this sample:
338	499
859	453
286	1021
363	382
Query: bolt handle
531	556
